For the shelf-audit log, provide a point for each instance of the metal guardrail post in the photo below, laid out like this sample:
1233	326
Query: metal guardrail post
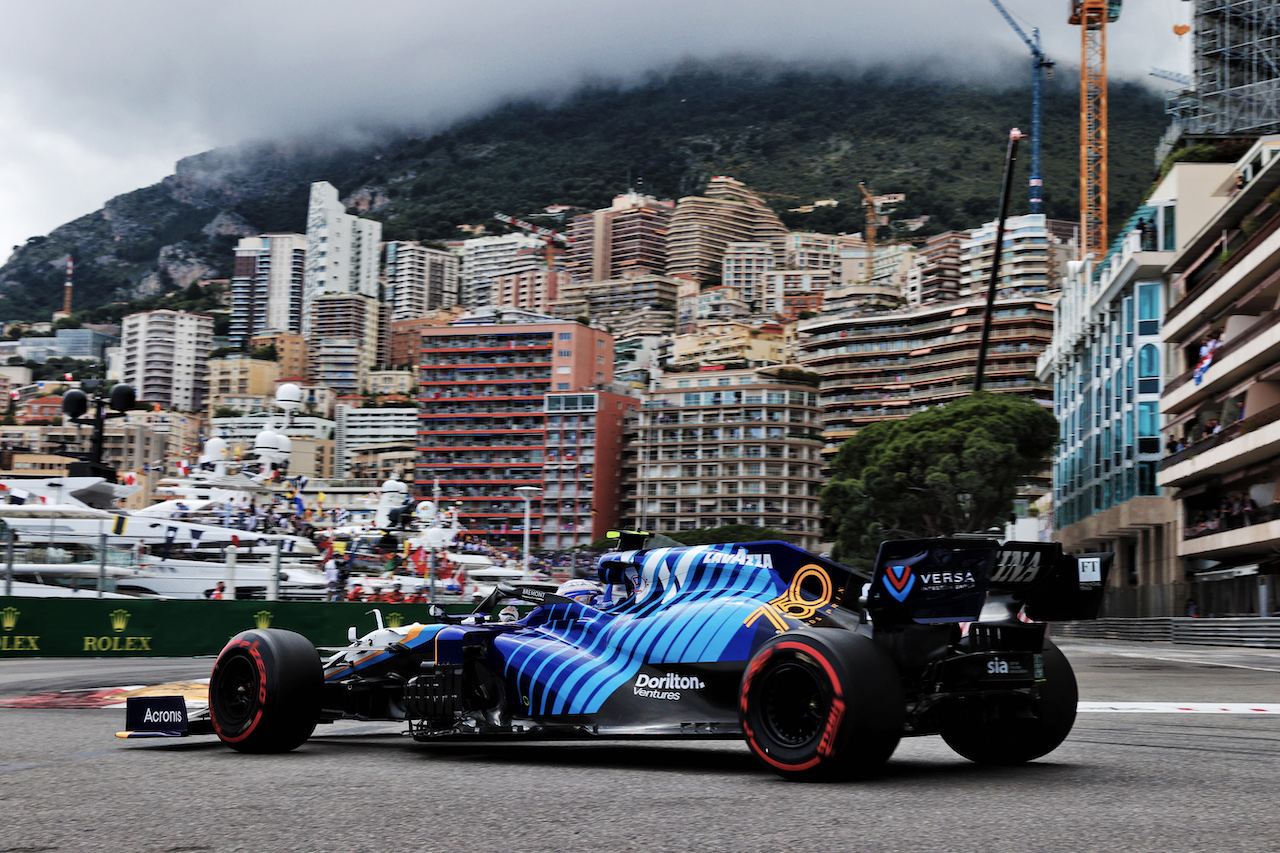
102	564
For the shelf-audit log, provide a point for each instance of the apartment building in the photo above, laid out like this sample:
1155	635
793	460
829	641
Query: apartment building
702	227
165	357
731	342
711	448
788	293
534	289
889	365
291	351
1105	364
935	273
346	327
486	258
343	252
1221	396
608	301
242	383
627	238
509	405
420	279
266	285
404	336
1033	256
744	267
356	427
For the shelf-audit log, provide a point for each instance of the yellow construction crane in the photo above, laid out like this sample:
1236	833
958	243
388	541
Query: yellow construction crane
1092	16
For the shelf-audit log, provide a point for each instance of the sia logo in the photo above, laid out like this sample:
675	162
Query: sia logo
899	581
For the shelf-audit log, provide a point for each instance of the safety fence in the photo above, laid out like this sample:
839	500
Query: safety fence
1253	632
54	627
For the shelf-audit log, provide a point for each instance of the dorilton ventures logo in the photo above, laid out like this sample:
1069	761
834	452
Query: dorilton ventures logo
119	621
665	686
11	642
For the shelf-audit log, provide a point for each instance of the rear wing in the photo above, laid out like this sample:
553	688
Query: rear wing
949	580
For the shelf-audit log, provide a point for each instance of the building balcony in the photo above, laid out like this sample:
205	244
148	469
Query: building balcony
1255	349
1248	263
1260	541
1244	443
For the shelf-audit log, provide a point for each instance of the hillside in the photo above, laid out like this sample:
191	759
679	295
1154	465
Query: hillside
795	136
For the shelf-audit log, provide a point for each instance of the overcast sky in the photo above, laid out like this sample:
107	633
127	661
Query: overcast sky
99	98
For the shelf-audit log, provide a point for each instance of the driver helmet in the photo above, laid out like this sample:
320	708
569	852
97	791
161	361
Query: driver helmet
508	614
581	590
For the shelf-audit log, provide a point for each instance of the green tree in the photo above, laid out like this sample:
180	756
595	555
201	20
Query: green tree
948	470
226	412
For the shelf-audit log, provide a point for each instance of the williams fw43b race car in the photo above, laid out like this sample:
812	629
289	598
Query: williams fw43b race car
821	668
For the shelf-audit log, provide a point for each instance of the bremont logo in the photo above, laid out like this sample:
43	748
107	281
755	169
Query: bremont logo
119	620
9	618
262	619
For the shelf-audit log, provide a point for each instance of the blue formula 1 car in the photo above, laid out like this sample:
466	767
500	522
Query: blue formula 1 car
822	669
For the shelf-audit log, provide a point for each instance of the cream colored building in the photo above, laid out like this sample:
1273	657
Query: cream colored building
240	382
720	342
702	227
291	351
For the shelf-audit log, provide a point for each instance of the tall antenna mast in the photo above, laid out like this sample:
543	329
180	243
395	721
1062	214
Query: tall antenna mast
66	297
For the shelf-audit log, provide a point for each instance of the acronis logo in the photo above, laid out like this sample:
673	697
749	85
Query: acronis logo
899	581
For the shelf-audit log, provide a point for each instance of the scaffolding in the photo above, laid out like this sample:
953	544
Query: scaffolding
1236	70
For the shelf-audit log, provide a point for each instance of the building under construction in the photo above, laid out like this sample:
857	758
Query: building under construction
1235	87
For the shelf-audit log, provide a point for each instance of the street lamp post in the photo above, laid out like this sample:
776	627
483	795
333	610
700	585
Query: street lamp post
527	493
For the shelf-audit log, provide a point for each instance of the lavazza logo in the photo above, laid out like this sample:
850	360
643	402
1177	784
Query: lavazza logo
665	686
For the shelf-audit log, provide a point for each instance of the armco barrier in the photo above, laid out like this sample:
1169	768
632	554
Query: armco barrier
55	627
1253	632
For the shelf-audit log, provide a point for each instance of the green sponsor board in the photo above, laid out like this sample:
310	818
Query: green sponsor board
53	627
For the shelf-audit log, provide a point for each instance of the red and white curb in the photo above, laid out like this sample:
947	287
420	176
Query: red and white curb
1177	708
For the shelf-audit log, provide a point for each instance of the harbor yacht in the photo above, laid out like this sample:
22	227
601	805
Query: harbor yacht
181	549
39	559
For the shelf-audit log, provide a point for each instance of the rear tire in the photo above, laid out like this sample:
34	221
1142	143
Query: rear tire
264	692
1018	735
822	703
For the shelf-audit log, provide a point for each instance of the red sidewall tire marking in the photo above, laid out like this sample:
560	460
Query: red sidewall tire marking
833	717
262	692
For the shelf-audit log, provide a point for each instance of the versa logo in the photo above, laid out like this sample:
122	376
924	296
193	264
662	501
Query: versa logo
262	619
899	581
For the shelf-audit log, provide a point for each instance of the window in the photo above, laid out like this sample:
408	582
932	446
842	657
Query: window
1148	370
562	386
1168	231
1148	309
566	336
564	353
1149	418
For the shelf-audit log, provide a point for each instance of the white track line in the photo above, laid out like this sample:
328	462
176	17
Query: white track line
1177	708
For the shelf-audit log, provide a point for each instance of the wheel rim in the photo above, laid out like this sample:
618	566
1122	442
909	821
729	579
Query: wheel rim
794	704
234	692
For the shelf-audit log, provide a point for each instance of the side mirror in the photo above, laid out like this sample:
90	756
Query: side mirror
352	636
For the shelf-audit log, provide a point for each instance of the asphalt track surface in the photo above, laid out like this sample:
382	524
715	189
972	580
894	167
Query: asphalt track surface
1131	781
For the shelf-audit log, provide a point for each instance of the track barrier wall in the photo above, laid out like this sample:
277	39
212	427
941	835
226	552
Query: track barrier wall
58	627
1253	632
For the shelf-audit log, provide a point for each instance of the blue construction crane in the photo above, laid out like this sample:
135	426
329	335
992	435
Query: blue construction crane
1041	66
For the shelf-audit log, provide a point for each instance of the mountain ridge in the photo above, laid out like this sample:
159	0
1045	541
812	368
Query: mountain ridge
795	136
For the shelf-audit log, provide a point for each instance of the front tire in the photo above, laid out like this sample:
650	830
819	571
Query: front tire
1018	734
264	692
823	703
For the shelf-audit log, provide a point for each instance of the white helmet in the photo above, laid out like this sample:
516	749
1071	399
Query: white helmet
580	590
508	614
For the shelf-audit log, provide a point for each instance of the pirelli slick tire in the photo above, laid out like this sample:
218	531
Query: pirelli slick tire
264	692
1015	734
821	704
